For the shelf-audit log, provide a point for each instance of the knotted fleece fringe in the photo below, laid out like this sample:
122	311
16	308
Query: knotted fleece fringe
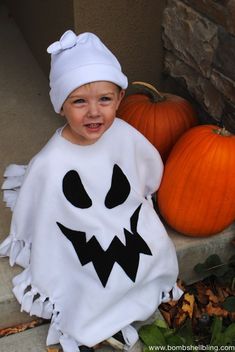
31	300
17	250
176	293
14	175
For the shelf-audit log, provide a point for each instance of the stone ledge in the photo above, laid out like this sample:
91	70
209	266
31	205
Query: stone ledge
29	340
9	307
35	340
193	250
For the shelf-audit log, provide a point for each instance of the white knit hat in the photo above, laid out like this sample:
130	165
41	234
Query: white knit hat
77	60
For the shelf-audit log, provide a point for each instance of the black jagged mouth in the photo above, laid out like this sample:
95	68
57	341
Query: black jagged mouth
103	260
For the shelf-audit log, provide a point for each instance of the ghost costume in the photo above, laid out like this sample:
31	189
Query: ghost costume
96	256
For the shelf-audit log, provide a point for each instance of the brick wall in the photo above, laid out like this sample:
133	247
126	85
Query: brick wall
199	42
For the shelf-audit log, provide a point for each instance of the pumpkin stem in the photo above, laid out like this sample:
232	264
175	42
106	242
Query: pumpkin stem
154	94
223	132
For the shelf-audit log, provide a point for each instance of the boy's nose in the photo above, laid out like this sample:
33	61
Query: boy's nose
93	110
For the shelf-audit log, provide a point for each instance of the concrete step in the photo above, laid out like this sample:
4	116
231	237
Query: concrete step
34	340
194	250
9	307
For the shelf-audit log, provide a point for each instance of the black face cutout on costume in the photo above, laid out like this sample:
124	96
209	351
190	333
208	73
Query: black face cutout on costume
127	256
119	190
76	194
74	190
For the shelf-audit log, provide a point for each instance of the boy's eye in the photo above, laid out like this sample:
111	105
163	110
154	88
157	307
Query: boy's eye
79	101
105	99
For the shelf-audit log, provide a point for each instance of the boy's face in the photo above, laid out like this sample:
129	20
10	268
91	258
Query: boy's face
90	110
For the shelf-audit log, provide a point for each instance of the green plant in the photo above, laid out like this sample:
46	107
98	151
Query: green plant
159	334
220	335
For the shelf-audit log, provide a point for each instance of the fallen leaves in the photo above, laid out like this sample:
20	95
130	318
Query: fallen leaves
21	327
188	304
216	310
203	299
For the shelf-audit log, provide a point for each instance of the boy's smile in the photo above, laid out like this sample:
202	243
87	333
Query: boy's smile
90	110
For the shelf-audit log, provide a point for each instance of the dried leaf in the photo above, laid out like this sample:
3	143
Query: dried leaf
188	304
53	349
20	327
200	286
179	319
212	297
202	297
197	312
165	306
174	312
221	293
172	303
216	310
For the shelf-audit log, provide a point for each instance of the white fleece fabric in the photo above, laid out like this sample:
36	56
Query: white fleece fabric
96	256
77	60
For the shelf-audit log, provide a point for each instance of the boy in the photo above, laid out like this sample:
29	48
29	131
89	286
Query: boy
96	256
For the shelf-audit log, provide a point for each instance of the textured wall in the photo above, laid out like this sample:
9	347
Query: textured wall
199	38
130	28
41	22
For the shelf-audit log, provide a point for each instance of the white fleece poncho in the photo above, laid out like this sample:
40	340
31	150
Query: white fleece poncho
96	255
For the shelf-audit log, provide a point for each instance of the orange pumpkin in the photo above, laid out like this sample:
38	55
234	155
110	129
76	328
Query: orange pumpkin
197	193
161	117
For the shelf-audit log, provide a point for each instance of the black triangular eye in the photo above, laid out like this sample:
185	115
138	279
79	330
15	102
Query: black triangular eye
74	190
119	190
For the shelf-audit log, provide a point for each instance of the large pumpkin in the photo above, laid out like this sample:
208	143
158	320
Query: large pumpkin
161	117
197	193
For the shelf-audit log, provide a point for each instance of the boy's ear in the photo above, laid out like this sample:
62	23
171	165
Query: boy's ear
62	111
121	96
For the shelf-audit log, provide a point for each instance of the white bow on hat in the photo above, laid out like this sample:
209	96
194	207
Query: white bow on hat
68	40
